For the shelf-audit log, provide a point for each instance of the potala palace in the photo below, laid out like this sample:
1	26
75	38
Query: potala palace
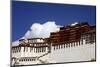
73	43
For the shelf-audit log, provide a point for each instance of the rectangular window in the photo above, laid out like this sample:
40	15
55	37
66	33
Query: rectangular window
71	44
59	46
79	42
24	49
31	49
54	47
82	42
66	45
42	49
39	49
76	43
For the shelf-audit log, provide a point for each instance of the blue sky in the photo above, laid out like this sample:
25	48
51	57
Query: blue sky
24	14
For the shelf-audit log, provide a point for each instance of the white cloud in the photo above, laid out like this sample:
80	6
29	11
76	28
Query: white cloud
38	30
15	43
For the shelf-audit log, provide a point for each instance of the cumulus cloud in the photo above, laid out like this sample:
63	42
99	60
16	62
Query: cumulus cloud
38	30
15	43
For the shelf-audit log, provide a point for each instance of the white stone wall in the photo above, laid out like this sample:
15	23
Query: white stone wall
85	52
82	52
27	53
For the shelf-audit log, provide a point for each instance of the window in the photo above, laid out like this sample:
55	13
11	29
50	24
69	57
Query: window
22	60
66	45
71	44
34	49
24	49
84	37
27	59
34	59
38	49
42	49
15	51
19	49
59	46
88	39
76	43
92	38
79	42
82	42
31	59
31	48
54	47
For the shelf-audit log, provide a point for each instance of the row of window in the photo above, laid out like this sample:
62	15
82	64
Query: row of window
88	39
43	49
39	44
16	51
16	48
68	45
36	50
74	44
36	40
27	59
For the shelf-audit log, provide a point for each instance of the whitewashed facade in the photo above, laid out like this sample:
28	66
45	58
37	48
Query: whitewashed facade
38	51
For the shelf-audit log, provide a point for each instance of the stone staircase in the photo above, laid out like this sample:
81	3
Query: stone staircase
42	61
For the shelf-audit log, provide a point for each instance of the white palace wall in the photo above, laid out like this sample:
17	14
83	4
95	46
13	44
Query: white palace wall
82	52
71	52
